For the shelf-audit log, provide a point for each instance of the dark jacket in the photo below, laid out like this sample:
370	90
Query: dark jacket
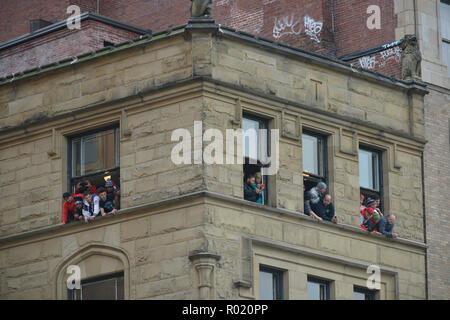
385	228
250	193
326	213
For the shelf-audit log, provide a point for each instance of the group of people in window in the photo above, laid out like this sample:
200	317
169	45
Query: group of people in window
87	201
318	205
373	220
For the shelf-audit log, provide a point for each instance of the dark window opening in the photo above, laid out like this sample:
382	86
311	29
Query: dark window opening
270	283
360	293
253	151
318	289
108	44
110	287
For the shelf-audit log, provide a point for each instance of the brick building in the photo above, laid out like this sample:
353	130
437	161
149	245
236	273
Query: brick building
296	66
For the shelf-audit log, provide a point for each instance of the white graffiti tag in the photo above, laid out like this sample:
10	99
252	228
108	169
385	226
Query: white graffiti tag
285	26
389	54
313	28
368	62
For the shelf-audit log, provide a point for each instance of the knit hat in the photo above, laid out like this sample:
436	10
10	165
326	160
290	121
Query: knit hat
108	183
321	185
370	202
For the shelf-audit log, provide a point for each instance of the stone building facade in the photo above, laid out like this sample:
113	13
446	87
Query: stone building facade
185	231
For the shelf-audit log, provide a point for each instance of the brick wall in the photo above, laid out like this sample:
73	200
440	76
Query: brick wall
279	20
59	45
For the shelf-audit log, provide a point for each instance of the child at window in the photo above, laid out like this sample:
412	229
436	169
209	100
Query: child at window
258	185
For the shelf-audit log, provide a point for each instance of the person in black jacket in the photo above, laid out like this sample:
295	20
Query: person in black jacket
325	209
250	193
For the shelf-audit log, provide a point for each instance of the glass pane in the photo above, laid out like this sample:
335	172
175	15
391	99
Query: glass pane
359	296
93	153
266	286
365	169
250	138
102	290
310	150
76	158
313	291
445	20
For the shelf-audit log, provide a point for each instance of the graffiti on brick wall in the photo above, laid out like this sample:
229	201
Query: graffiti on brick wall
368	62
389	54
392	52
286	25
290	25
313	28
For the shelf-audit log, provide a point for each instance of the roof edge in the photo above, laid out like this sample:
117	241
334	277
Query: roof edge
62	24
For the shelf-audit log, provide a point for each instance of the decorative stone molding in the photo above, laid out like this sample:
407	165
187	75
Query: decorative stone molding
204	263
55	150
125	132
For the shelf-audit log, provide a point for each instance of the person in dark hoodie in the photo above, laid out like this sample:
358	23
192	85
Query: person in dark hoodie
250	193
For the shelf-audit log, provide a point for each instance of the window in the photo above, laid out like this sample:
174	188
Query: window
445	30
270	283
370	173
255	148
94	156
314	155
100	288
318	289
364	294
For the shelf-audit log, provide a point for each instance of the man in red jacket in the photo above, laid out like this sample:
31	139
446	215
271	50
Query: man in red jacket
68	208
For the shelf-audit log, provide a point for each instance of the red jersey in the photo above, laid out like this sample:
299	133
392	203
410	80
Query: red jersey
68	208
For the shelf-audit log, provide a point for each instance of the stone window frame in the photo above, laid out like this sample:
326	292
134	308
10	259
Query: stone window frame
299	263
70	179
272	119
325	163
279	281
321	281
98	279
381	168
98	249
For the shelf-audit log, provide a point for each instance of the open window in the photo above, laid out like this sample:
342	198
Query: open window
255	146
314	155
108	287
94	156
370	173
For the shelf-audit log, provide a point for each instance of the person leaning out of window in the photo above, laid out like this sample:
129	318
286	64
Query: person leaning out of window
91	206
250	193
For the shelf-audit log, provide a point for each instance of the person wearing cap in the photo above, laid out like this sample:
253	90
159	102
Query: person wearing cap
112	190
68	208
317	193
371	216
78	213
